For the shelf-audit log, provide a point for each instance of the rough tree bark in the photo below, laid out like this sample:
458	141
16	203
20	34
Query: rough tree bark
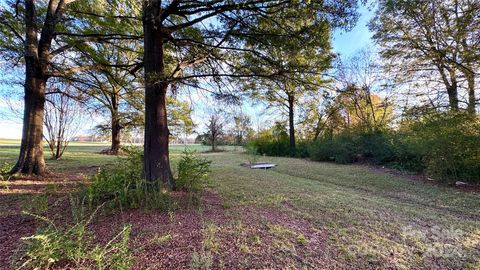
471	108
156	155
31	159
116	132
116	126
291	123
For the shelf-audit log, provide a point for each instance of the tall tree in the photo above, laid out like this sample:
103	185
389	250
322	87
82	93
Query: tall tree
180	35
40	36
424	35
179	117
112	88
242	128
40	20
298	64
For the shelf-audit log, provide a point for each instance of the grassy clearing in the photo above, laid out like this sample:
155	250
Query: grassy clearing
372	219
82	155
369	219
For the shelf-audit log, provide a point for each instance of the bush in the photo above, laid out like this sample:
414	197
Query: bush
340	149
192	172
122	182
272	146
446	146
375	147
301	150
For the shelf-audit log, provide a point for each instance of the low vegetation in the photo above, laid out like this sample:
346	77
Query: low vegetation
302	214
443	146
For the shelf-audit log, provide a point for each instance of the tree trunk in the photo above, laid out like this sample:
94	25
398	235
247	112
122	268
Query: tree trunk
156	155
116	127
31	160
291	123
471	93
452	91
453	97
116	130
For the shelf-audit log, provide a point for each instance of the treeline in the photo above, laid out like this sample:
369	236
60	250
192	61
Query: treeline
443	146
412	104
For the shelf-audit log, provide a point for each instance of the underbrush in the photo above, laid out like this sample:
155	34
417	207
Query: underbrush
192	172
73	245
445	146
123	186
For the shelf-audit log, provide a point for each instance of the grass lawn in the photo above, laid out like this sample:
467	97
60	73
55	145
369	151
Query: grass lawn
300	215
84	155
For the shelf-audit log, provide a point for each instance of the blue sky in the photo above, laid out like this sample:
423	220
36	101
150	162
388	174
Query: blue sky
344	43
347	43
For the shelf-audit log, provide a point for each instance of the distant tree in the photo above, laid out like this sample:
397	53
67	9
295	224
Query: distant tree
112	89
214	130
365	93
242	128
360	108
422	37
179	117
62	121
317	115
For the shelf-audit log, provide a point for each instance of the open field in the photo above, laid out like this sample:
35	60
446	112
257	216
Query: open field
81	155
300	215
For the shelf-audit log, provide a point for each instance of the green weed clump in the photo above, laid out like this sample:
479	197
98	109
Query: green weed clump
192	172
4	169
122	185
71	246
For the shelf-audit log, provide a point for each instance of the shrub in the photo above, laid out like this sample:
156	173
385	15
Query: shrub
340	149
122	182
252	152
192	172
447	145
321	150
375	147
409	154
301	149
271	146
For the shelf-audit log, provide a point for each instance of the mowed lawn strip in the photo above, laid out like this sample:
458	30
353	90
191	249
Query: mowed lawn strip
372	219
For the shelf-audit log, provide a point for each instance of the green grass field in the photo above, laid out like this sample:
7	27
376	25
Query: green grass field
85	154
371	219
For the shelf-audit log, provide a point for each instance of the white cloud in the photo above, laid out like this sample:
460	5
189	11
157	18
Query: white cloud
10	130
